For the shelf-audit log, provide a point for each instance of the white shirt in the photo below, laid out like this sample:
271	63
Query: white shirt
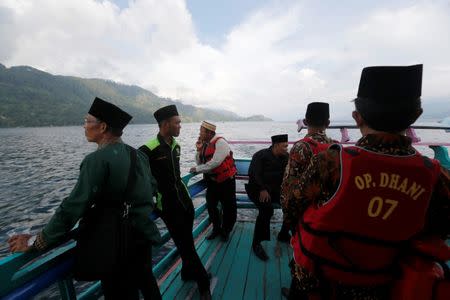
222	151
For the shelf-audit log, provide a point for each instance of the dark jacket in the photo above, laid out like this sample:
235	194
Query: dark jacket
164	161
266	173
105	172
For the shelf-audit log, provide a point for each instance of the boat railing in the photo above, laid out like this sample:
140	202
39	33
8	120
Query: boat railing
439	148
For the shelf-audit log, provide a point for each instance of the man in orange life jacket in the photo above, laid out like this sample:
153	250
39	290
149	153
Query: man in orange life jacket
359	206
173	200
317	119
265	175
215	159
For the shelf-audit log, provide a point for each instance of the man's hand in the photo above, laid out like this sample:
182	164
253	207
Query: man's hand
19	243
264	196
193	170
199	145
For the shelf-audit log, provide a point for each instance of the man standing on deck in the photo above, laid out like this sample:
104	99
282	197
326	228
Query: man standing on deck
103	177
317	119
215	159
173	200
357	209
265	176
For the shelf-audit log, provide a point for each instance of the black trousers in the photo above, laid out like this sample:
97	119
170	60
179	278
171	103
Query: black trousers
136	276
225	193
179	223
265	213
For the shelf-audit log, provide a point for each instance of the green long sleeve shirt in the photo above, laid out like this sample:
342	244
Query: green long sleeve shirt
106	171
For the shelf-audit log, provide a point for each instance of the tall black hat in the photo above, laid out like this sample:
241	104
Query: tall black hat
319	111
387	83
109	113
165	112
281	138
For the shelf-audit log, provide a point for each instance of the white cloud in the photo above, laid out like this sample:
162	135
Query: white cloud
273	63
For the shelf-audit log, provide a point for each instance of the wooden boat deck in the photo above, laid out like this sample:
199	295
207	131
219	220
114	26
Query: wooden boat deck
236	272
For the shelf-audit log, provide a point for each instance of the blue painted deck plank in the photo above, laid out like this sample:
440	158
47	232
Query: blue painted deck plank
204	251
274	266
174	287
166	284
173	283
171	277
173	280
168	281
285	258
254	285
214	254
284	265
235	286
221	268
237	272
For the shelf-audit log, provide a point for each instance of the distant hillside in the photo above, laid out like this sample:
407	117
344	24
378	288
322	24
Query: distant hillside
257	118
30	97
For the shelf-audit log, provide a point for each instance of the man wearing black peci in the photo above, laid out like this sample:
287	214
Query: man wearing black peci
113	175
265	176
173	200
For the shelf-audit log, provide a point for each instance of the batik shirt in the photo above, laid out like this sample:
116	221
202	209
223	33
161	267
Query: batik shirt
299	158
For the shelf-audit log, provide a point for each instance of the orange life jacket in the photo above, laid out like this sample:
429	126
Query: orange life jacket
226	169
355	238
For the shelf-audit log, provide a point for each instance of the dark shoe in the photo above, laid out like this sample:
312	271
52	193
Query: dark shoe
213	235
224	237
206	295
285	292
284	237
259	252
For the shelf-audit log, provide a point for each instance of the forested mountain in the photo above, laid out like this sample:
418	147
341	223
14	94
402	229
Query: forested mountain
30	97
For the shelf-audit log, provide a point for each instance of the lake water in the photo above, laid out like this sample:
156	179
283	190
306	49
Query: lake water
39	166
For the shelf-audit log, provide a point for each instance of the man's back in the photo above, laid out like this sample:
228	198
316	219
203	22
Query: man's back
103	177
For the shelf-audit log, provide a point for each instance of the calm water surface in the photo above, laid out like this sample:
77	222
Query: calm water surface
39	166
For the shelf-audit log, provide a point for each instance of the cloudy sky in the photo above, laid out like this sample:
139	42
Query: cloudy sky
248	56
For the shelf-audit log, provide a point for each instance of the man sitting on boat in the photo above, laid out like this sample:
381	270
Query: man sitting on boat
358	208
175	204
215	159
265	175
108	183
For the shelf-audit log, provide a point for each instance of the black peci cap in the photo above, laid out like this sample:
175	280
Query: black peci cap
391	83
165	113
109	113
281	138
318	111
